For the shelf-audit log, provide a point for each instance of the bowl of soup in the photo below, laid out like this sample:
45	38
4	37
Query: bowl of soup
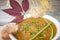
43	28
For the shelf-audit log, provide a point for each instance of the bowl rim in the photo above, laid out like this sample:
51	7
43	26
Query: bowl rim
56	22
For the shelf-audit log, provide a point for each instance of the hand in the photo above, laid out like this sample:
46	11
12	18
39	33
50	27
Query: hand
8	29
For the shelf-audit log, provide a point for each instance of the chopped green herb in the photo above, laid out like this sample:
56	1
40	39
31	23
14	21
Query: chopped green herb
32	33
26	27
40	36
33	22
38	27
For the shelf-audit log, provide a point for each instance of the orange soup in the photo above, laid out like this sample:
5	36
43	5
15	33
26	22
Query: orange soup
29	27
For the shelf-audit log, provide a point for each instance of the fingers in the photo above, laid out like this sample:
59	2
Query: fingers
11	28
6	39
4	35
8	29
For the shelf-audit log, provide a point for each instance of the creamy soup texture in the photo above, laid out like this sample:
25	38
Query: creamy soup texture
29	27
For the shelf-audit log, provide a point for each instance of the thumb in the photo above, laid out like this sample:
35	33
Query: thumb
8	29
4	35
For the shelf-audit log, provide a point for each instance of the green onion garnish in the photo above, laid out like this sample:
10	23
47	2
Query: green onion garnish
51	33
41	30
51	30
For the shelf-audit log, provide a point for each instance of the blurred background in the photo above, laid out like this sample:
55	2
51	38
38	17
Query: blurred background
55	7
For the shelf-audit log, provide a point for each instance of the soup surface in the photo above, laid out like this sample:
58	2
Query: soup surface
29	27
